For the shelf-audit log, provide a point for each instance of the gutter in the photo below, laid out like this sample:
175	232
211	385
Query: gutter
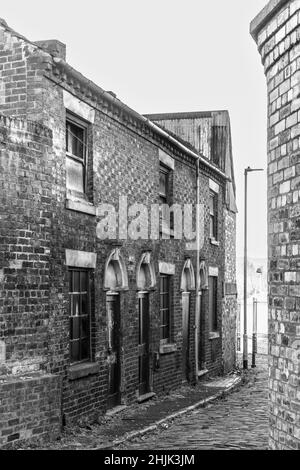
116	102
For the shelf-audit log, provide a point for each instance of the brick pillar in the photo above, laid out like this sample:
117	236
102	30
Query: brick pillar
276	30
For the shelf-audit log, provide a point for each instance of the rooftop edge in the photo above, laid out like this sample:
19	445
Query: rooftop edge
264	16
184	115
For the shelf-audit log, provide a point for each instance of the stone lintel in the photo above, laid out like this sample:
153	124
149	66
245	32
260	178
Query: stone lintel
80	259
166	268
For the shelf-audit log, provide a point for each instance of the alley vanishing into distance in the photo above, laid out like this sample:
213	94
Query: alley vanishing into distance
237	422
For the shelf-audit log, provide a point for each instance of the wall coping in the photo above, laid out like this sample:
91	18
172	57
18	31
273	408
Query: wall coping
264	16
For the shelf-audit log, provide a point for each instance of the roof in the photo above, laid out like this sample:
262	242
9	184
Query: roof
183	115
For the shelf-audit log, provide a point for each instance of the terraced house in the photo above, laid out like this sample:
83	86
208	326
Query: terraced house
105	297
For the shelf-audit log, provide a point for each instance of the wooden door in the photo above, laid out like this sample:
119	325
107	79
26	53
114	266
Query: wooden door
185	334
143	348
114	353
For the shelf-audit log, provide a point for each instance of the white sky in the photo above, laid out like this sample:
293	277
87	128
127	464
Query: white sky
170	56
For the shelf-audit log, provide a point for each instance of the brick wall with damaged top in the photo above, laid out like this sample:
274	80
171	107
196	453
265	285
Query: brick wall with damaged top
277	33
26	399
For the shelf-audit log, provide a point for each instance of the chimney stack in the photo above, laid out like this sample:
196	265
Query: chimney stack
54	47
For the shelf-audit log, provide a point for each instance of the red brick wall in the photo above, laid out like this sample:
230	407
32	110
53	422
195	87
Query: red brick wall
29	407
25	234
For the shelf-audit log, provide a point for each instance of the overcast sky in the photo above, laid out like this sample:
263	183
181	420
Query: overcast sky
169	56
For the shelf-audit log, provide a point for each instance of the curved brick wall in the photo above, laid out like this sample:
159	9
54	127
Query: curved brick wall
276	30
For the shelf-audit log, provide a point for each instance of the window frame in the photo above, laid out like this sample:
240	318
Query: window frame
72	292
213	310
213	215
165	340
83	125
166	225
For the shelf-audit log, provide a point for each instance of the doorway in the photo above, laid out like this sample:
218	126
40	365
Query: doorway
114	350
185	334
144	342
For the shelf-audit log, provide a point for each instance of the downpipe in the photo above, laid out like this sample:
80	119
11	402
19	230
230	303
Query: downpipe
197	307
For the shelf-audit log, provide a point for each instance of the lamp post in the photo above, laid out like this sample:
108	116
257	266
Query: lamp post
245	339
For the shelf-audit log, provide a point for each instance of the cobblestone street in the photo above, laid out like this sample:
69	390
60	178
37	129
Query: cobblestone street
239	421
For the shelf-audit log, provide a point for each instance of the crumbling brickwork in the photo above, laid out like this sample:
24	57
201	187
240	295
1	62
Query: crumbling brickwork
30	399
276	31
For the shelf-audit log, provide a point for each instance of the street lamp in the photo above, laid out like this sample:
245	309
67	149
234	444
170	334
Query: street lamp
245	339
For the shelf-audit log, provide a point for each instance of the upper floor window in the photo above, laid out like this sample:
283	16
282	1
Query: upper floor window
163	184
213	215
219	145
76	145
79	298
165	199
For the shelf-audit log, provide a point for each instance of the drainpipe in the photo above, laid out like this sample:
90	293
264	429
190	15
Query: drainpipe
197	309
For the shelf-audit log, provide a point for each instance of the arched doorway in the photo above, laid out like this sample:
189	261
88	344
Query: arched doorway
146	281
187	284
115	279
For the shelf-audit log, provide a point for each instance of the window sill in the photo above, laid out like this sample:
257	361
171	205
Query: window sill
214	335
81	205
77	371
167	348
213	241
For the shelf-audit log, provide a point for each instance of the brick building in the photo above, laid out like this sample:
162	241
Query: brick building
90	322
276	32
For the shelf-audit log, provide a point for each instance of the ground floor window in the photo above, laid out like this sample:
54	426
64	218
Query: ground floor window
79	301
213	310
165	308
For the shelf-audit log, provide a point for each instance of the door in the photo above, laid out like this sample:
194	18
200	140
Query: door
114	364
143	348
185	334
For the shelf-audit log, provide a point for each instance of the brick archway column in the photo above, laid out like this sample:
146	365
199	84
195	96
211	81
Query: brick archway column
276	30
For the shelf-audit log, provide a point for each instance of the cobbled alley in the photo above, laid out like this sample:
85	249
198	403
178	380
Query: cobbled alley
237	422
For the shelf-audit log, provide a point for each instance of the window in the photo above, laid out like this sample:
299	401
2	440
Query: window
166	217
219	144
79	315
76	144
213	310
165	311
213	204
